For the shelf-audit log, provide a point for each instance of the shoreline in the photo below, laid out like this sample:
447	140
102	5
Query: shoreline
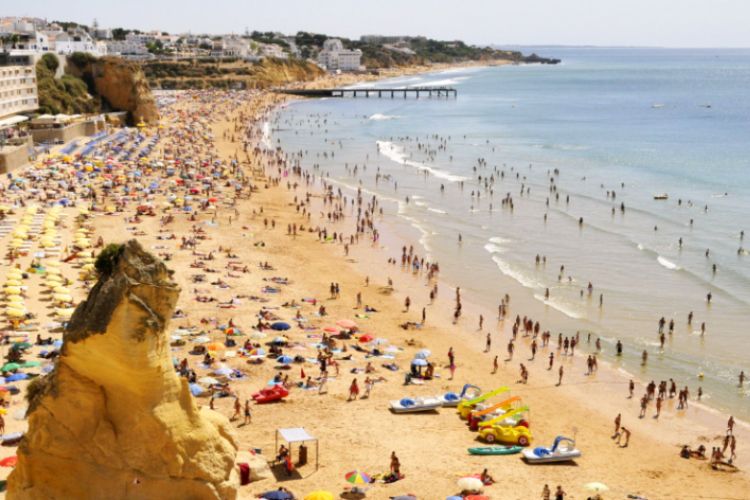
361	434
550	313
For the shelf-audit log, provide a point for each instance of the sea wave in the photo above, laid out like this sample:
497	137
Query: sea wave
381	117
396	153
507	269
562	307
667	263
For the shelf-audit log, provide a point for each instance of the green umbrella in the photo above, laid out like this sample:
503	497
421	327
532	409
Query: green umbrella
9	367
21	345
29	364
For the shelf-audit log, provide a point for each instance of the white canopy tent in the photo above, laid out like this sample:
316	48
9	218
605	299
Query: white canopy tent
298	435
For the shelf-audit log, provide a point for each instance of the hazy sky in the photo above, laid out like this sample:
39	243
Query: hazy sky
671	23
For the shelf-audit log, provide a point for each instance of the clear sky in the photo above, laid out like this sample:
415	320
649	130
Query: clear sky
668	23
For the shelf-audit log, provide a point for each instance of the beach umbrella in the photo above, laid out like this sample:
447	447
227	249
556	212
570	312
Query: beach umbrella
596	487
9	367
419	362
12	290
277	495
320	495
280	326
208	381
17	376
423	354
347	323
13	282
357	477
284	360
476	497
470	484
15	299
215	346
223	371
196	390
331	329
9	461
366	338
15	313
280	340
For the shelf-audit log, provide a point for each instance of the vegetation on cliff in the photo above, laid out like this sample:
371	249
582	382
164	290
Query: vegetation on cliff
67	94
94	85
228	73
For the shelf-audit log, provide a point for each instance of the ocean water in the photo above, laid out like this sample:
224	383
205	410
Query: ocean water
604	128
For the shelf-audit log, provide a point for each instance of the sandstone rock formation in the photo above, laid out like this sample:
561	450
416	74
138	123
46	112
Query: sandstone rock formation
123	86
113	420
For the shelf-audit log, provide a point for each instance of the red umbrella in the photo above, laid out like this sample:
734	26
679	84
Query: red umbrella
366	338
347	323
331	329
9	461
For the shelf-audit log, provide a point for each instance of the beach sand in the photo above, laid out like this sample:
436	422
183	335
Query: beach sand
361	434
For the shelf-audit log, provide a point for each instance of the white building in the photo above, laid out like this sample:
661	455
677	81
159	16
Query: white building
18	90
234	46
133	45
76	41
334	57
273	51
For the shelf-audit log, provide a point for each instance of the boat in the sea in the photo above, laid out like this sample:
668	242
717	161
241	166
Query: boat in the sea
661	196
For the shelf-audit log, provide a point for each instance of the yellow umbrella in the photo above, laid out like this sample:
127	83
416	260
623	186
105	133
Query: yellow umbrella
62	297
12	290
15	299
61	289
64	312
320	495
13	282
53	270
15	313
15	274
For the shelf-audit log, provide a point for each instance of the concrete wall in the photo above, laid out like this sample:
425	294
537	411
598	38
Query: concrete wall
13	158
65	134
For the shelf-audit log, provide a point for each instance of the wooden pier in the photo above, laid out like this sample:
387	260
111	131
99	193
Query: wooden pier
391	93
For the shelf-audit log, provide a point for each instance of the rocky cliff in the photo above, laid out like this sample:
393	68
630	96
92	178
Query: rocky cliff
114	420
123	85
120	85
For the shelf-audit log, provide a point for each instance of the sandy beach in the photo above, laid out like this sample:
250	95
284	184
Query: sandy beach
257	203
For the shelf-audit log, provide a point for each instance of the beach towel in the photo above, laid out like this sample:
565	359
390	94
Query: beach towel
244	474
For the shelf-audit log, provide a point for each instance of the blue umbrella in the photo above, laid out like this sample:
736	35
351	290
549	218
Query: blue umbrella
57	344
196	390
276	495
280	325
284	360
17	376
419	362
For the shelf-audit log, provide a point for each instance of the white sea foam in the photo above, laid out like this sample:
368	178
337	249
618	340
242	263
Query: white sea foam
500	241
437	210
516	274
441	83
266	135
559	306
494	248
381	117
667	263
396	153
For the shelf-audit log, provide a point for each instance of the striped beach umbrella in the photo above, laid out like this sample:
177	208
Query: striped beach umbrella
357	477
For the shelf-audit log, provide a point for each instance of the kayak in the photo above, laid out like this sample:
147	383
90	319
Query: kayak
495	450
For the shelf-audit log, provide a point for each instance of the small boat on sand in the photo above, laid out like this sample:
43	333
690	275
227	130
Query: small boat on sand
495	450
661	196
562	450
412	405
